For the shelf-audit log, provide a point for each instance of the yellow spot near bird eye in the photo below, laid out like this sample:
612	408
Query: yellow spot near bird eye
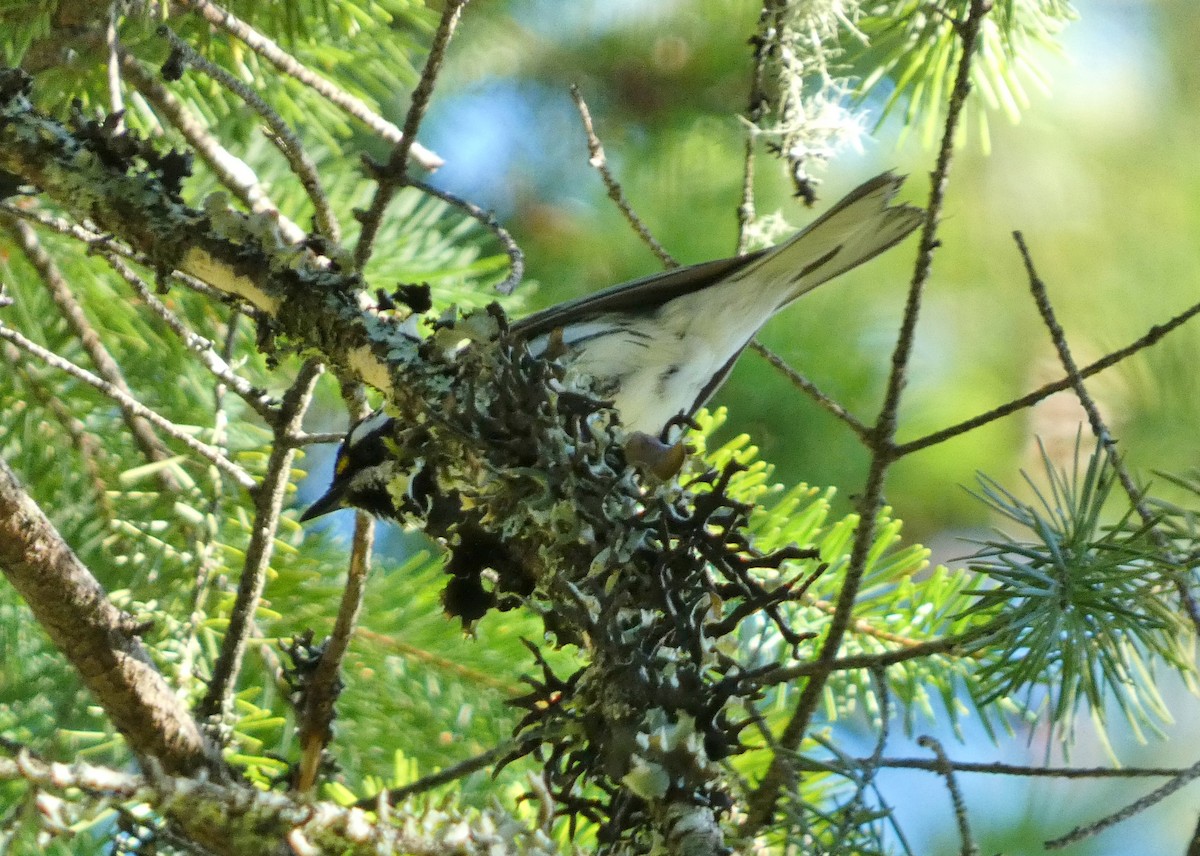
340	466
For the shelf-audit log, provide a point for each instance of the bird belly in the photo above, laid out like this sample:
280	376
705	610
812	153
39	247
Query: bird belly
655	367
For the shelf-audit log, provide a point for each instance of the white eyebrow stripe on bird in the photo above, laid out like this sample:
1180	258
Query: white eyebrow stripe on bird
818	264
373	423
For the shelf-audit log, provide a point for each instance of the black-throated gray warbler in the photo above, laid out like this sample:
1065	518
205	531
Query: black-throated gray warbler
660	346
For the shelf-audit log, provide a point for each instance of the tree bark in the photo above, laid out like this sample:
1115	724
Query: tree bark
96	637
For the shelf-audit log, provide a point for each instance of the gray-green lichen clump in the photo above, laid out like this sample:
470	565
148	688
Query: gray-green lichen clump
526	480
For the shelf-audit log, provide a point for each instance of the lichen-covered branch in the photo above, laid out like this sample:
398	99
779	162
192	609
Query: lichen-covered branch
238	819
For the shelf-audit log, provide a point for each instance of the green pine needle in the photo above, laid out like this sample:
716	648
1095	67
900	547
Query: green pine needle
1080	602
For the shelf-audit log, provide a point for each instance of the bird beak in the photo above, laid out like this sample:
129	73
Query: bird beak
331	501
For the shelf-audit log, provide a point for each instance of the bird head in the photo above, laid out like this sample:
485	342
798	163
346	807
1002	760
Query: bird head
362	472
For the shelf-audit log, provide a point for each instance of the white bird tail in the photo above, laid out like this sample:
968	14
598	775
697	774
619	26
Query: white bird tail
855	230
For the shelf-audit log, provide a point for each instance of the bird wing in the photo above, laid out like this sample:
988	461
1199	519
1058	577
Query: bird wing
639	294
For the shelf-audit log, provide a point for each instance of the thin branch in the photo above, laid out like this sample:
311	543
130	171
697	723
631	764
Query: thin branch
746	212
106	366
1101	432
281	135
395	173
231	171
516	259
324	685
599	162
116	101
1154	797
810	389
316	719
301	440
286	63
754	112
946	770
949	645
761	803
131	406
998	768
1151	337
259	400
442	777
268	505
850	813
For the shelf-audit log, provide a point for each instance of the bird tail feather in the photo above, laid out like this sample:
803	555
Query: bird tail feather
855	230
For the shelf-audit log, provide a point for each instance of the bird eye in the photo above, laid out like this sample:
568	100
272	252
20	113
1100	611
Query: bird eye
340	467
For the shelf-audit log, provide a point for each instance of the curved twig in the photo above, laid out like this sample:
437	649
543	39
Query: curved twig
286	63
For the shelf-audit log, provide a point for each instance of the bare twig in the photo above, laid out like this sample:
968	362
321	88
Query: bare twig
761	803
286	63
1154	797
599	162
812	391
301	440
268	504
1151	337
946	770
395	172
321	690
1100	430
948	645
316	719
754	113
259	400
851	812
997	768
281	135
106	366
131	406
516	259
